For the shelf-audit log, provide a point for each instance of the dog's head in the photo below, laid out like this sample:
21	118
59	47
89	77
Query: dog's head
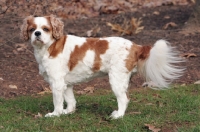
41	30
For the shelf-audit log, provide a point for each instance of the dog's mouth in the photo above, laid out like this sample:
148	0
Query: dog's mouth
38	40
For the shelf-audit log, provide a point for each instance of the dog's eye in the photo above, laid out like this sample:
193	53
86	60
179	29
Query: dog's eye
46	29
32	29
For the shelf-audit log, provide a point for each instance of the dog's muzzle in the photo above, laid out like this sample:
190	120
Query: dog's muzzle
38	39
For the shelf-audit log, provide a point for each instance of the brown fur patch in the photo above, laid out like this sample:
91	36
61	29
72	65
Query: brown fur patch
57	26
57	47
28	24
98	46
131	60
144	52
136	53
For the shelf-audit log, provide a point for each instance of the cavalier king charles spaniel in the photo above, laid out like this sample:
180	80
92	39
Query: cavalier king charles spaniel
66	60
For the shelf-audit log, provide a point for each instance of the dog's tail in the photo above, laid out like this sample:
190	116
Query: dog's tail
160	65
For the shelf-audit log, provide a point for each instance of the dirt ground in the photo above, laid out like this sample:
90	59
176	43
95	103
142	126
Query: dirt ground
19	70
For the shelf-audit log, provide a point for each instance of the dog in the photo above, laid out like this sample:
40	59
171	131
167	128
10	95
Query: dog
66	60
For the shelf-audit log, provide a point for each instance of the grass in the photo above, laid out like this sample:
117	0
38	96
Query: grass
177	109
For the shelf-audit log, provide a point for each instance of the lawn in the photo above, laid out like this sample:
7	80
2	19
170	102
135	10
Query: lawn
176	109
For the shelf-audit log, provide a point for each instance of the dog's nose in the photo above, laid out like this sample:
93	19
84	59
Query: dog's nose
37	33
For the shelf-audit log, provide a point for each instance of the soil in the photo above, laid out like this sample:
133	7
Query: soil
19	70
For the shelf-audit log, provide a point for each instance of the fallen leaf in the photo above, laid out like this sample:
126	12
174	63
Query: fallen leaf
93	32
117	27
81	92
152	128
188	55
21	47
1	78
46	90
112	9
170	24
136	113
38	115
167	17
156	13
197	82
193	1
89	33
13	86
89	90
136	25
132	26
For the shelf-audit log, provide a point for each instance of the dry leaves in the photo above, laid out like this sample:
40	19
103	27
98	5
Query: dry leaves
135	113
156	13
89	90
80	92
12	86
152	128
135	23
46	91
21	47
128	27
188	55
79	8
170	24
94	32
117	27
38	116
166	17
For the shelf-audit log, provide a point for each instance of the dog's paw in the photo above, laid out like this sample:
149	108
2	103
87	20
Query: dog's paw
67	111
116	114
150	84
53	114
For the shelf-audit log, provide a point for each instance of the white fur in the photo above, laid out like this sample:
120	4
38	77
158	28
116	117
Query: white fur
55	69
159	66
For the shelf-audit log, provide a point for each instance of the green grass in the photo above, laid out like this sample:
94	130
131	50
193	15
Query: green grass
177	109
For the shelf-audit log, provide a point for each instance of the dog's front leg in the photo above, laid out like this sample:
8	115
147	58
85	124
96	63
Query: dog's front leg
58	87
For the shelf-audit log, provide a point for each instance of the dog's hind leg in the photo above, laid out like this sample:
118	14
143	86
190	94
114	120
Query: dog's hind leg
119	83
70	100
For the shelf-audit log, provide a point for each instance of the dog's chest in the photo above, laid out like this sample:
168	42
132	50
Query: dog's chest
40	55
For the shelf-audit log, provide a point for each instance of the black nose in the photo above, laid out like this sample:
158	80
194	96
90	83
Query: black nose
37	33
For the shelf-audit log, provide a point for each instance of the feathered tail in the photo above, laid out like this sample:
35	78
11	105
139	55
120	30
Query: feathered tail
160	66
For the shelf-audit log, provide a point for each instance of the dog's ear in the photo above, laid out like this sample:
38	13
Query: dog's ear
57	26
24	28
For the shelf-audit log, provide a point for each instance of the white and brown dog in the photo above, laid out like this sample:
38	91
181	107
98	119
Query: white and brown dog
65	60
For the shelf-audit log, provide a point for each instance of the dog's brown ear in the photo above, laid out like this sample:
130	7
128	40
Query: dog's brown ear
24	28
57	26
